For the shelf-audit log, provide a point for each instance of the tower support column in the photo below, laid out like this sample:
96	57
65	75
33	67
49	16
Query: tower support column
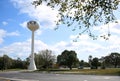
32	65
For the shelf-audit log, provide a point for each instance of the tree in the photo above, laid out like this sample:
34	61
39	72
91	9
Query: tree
95	63
1	63
81	63
90	60
84	13
5	62
113	59
8	63
102	61
19	64
44	59
67	58
86	64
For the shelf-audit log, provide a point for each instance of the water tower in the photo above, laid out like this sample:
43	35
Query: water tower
33	26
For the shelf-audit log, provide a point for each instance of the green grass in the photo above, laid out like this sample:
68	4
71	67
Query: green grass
100	71
111	71
12	70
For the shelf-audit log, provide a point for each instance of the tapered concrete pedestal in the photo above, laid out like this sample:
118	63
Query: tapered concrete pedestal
33	26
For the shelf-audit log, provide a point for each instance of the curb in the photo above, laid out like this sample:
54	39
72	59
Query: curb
3	79
12	79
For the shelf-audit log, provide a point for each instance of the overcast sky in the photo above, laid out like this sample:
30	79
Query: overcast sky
15	38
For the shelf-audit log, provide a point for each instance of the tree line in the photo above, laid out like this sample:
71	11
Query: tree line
8	63
45	59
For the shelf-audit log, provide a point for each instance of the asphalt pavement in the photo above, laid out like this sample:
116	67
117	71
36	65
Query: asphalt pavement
29	76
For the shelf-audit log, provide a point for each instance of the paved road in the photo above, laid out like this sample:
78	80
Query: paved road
20	76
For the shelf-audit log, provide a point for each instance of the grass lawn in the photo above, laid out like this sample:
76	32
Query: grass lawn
111	71
12	70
